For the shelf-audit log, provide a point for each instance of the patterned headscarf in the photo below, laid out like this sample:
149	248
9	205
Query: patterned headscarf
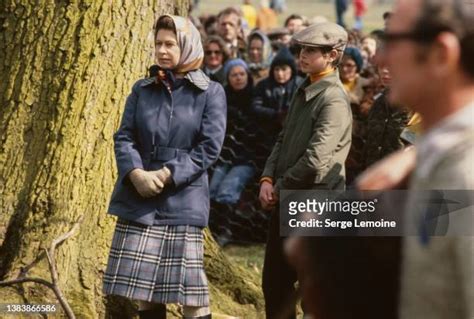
267	54
189	42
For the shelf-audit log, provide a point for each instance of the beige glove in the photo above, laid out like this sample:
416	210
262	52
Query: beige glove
147	184
164	175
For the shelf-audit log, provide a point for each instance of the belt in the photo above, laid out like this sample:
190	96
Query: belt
163	153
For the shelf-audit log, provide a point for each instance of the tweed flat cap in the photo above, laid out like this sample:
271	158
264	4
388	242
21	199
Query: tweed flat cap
326	34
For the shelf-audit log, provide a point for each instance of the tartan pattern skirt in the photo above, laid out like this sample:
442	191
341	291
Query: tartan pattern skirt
159	263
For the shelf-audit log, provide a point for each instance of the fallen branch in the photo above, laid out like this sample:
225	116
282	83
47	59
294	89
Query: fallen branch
50	255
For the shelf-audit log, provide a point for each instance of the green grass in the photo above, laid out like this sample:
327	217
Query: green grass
251	259
309	8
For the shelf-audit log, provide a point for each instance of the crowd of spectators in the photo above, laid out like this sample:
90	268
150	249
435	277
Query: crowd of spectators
255	60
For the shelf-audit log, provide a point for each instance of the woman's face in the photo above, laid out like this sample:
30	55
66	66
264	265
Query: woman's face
238	78
256	50
167	52
348	69
384	74
213	56
295	25
370	45
282	73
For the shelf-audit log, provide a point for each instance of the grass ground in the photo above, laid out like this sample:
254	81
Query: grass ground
309	8
251	259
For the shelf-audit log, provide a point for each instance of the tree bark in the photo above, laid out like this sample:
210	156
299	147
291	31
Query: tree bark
66	69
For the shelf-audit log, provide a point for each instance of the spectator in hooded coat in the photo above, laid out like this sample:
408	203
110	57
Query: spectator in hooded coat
236	163
272	95
259	55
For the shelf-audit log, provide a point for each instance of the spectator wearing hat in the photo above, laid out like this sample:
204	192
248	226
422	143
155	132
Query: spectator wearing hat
349	70
310	151
279	37
272	95
236	162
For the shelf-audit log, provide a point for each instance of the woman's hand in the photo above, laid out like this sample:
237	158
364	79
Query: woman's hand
164	175
147	184
266	197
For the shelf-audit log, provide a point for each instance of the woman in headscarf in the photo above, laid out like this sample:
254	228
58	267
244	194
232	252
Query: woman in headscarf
259	55
172	130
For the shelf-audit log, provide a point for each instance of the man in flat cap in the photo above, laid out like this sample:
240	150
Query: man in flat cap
310	150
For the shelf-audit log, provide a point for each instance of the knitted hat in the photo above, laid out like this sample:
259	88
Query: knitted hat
355	55
284	57
234	62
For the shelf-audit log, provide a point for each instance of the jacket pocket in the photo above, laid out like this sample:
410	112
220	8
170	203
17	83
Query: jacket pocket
185	199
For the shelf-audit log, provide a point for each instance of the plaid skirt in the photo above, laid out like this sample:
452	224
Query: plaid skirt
159	263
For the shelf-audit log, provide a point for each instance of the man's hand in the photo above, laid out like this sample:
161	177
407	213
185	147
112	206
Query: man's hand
266	196
146	183
389	173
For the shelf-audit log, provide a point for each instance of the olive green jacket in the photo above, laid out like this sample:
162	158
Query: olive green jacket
313	145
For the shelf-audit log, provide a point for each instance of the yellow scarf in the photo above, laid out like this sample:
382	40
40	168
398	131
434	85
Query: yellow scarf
349	85
318	76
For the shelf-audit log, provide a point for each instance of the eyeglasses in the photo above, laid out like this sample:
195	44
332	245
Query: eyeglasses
348	65
210	52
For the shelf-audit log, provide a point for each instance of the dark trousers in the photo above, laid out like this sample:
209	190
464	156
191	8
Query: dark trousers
341	7
279	278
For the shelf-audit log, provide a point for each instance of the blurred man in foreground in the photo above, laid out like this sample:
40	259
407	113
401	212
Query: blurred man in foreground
429	48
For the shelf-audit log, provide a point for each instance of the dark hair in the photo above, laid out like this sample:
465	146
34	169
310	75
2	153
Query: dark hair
294	17
166	23
455	16
220	42
386	15
208	23
326	50
229	11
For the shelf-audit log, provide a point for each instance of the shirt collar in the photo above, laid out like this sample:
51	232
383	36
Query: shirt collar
313	89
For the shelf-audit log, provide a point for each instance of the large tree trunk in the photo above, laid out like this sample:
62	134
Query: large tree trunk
66	68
